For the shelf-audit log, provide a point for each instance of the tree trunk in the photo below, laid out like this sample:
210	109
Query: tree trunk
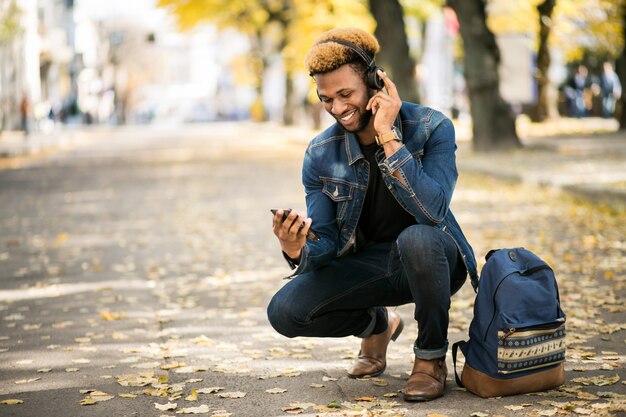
290	106
493	121
620	68
260	64
394	48
541	112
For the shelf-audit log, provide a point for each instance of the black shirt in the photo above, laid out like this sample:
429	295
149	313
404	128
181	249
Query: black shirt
382	218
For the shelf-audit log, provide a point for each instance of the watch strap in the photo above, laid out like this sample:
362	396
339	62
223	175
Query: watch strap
393	134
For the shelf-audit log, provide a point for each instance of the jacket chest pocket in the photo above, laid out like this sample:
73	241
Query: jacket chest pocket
340	192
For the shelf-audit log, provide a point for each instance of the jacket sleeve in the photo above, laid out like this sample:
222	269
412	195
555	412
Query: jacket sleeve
321	209
430	177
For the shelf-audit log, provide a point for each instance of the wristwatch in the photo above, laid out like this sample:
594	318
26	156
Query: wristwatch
393	134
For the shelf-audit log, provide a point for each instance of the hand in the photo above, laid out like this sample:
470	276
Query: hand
385	106
292	232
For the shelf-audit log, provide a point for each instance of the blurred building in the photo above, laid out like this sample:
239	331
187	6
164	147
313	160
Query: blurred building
37	60
88	61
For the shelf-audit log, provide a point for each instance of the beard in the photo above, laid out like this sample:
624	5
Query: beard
364	118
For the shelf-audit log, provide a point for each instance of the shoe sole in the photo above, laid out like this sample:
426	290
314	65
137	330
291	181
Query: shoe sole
416	398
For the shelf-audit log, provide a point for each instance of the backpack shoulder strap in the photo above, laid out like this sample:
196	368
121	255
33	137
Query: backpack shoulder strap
455	348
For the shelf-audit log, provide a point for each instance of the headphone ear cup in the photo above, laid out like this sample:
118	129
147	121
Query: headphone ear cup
373	79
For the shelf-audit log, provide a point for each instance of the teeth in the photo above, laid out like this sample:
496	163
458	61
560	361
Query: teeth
346	118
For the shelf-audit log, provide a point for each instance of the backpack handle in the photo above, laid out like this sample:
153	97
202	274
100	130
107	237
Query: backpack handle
456	347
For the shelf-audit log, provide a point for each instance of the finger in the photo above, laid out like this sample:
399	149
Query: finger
296	226
277	221
389	85
304	229
374	103
289	222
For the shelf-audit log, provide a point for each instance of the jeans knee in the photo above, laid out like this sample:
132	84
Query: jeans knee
418	239
281	316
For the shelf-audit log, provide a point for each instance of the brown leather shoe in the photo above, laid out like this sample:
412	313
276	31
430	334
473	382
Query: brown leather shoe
372	359
427	381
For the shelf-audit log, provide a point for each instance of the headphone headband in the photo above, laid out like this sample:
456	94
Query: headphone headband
359	51
372	80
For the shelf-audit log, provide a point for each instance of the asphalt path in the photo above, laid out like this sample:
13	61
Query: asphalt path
135	270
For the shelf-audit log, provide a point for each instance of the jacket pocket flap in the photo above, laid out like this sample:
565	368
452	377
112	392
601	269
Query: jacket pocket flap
337	190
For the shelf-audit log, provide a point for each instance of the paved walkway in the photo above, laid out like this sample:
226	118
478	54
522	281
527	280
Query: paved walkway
586	158
136	268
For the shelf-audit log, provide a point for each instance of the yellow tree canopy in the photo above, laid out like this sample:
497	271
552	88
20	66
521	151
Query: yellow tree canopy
577	25
299	21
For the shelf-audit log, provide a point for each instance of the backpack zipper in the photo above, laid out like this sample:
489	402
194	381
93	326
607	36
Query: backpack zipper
544	326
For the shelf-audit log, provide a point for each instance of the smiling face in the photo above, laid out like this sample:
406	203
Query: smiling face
345	95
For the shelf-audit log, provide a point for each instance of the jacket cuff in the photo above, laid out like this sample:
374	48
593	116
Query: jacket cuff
396	161
293	263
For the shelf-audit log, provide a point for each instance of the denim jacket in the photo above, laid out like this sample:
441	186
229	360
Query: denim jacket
335	177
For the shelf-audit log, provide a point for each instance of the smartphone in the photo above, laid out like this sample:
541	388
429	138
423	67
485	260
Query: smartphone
310	234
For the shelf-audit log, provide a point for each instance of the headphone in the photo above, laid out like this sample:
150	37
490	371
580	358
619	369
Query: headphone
372	80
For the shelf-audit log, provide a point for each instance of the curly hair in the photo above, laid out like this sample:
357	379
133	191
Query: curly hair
326	56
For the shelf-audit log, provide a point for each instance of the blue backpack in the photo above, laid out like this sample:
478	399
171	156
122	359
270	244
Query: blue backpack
517	335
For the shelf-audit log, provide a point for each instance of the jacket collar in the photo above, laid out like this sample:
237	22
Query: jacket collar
353	148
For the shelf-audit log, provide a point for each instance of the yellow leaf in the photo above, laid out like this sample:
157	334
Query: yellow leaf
193	396
366	399
11	402
109	316
61	239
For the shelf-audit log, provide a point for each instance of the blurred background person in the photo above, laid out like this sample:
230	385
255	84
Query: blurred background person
25	111
610	89
577	92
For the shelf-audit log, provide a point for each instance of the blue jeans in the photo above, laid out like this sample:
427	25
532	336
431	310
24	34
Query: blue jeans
348	297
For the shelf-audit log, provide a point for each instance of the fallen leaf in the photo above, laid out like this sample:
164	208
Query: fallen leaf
297	408
109	316
210	390
317	385
275	390
11	402
27	381
72	369
221	413
586	396
333	404
599	381
127	395
95	397
44	370
436	415
380	382
194	410
193	396
366	399
235	394
166	407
